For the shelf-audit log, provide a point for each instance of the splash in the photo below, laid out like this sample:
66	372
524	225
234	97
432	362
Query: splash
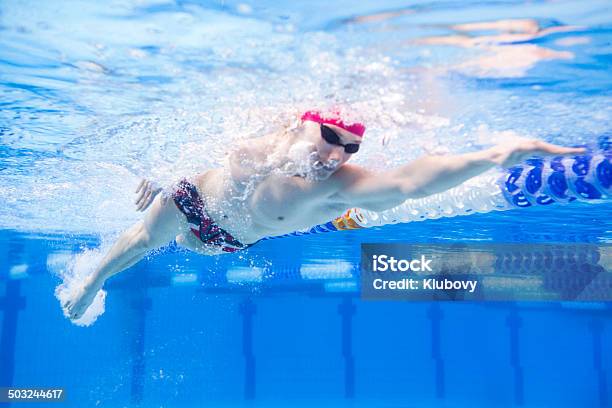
73	273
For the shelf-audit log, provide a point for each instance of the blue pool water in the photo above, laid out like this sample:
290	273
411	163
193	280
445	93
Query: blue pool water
94	96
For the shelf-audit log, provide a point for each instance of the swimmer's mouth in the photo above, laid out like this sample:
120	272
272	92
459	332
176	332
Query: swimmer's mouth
331	165
315	168
321	171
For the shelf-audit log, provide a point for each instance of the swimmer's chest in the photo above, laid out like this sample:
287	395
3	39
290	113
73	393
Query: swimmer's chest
277	205
282	204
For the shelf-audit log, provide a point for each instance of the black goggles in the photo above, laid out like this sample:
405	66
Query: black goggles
332	137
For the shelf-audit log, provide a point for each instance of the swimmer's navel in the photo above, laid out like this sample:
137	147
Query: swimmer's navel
280	218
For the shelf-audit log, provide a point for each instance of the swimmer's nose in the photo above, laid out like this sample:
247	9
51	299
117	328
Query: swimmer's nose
335	154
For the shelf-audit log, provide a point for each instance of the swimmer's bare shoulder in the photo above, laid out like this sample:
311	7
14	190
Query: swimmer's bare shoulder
356	186
283	190
248	157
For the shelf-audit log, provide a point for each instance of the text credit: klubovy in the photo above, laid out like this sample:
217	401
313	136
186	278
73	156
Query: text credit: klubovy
483	271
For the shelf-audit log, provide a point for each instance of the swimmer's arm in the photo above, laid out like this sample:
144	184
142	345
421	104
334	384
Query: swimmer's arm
429	175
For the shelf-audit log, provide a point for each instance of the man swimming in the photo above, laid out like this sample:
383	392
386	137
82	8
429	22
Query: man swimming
285	182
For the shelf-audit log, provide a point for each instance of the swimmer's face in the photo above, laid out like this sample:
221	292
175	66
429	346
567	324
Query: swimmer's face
327	157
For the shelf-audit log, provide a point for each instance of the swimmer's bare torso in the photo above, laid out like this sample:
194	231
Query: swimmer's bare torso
260	191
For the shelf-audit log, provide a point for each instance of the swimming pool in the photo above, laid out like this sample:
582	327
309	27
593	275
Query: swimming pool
95	96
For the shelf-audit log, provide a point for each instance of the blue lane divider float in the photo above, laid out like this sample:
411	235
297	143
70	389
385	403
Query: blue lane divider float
544	182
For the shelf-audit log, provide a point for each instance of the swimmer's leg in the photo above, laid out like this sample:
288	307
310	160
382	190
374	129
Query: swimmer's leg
161	224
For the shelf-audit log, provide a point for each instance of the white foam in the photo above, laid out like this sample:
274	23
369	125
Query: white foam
73	273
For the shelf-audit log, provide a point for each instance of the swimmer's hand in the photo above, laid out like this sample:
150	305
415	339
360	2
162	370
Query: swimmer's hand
517	150
81	299
147	190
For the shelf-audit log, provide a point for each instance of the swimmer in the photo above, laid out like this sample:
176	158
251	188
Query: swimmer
283	182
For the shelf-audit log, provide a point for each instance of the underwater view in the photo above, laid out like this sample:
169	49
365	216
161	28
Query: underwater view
236	274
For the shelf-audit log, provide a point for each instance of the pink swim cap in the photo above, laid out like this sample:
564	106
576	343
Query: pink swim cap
334	119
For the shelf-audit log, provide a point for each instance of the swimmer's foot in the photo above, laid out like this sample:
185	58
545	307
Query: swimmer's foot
83	297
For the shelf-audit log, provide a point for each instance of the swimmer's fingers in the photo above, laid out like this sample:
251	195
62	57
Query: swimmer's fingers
148	190
144	200
142	189
513	154
144	185
148	198
541	147
140	185
72	314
